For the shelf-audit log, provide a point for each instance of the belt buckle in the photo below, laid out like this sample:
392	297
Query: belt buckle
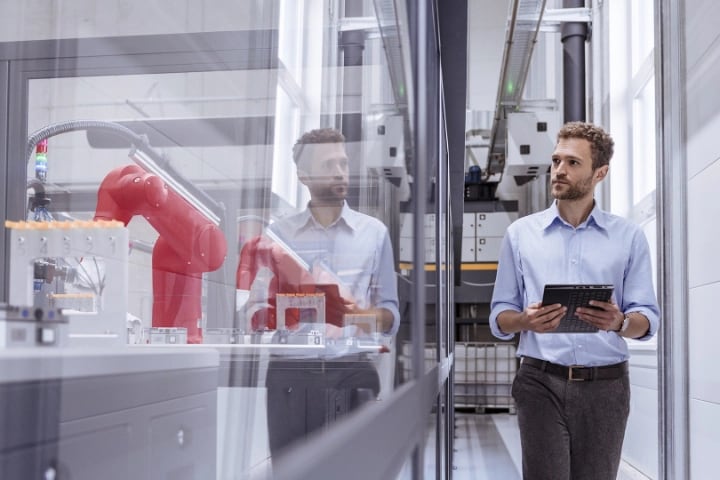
570	374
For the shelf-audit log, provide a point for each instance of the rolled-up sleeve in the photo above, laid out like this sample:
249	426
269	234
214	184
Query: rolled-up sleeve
387	295
639	294
506	293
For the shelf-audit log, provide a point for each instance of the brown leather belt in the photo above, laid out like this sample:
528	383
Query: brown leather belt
578	372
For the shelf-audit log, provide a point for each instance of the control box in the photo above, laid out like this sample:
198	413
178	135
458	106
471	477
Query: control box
32	327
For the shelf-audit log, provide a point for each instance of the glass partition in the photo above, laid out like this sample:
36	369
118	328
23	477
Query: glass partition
210	222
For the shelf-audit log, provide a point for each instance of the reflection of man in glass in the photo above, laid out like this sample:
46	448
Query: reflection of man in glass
336	246
331	249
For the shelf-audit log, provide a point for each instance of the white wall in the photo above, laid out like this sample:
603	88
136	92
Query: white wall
703	172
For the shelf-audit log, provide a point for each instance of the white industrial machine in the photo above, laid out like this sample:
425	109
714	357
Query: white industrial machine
384	151
99	318
530	142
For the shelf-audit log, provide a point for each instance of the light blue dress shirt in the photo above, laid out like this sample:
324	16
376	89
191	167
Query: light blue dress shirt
356	248
605	249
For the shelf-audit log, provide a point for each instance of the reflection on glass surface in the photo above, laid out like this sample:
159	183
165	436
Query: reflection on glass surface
243	256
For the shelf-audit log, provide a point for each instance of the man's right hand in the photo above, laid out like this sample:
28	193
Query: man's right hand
535	318
542	319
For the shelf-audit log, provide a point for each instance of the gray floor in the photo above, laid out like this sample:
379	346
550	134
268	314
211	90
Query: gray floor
487	446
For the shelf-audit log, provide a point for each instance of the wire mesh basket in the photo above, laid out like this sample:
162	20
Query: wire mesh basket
484	373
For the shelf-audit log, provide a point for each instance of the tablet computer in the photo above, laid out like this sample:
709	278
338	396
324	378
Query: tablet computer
574	296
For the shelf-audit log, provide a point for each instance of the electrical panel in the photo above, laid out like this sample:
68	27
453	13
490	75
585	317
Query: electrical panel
483	233
406	237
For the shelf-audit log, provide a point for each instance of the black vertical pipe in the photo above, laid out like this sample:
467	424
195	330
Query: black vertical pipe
352	44
574	35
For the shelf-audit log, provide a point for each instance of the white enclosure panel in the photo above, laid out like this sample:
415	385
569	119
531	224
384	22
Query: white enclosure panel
702	145
641	435
468	225
703	331
488	249
703	229
701	30
468	249
705	439
494	224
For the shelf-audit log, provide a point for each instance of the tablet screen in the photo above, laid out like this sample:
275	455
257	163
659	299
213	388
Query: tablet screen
573	296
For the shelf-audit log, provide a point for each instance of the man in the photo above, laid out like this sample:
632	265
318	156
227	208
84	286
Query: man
572	391
328	248
327	244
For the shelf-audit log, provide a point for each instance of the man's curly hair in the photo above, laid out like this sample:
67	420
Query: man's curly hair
317	136
601	143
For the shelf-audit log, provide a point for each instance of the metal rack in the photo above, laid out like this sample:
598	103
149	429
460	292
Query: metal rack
484	372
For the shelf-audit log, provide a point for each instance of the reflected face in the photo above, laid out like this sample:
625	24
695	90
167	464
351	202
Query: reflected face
324	170
571	173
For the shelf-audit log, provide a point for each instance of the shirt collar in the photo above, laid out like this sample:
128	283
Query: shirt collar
597	217
348	217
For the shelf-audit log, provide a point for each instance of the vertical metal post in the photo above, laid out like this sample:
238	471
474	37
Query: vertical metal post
421	132
673	387
441	217
4	161
453	57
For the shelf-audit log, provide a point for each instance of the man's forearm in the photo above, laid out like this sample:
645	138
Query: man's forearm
385	319
510	321
638	327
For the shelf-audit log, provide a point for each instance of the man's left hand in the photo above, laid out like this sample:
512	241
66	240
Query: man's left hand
604	315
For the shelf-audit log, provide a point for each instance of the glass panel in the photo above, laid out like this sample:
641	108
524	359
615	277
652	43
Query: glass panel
642	14
643	142
91	18
225	252
190	117
632	121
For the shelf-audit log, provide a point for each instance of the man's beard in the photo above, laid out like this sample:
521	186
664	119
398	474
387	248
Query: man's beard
576	190
335	194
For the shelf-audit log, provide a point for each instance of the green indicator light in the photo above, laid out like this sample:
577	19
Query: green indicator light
401	90
510	87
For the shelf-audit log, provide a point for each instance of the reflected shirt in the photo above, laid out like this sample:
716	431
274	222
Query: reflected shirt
355	250
542	248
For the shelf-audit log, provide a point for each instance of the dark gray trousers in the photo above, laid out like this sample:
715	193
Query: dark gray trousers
570	430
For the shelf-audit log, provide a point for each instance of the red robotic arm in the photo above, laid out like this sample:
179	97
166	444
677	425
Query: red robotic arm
286	276
188	244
